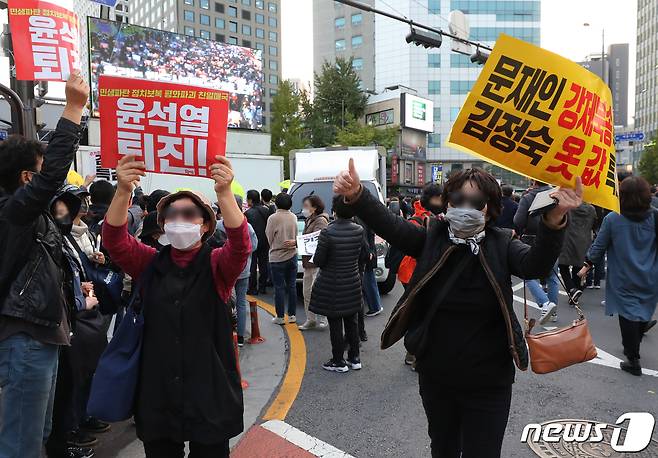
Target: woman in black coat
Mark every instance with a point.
(457, 311)
(336, 292)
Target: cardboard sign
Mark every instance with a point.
(45, 39)
(536, 113)
(307, 243)
(173, 128)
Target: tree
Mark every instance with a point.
(648, 165)
(315, 128)
(356, 134)
(287, 123)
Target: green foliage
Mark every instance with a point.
(287, 122)
(355, 134)
(648, 165)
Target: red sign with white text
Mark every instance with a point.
(45, 39)
(174, 128)
(421, 174)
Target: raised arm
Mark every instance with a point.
(29, 201)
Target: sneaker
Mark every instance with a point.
(574, 296)
(554, 317)
(308, 324)
(80, 438)
(649, 325)
(363, 336)
(371, 314)
(322, 324)
(590, 286)
(547, 312)
(332, 366)
(632, 366)
(79, 452)
(354, 364)
(409, 359)
(277, 320)
(94, 425)
(597, 286)
(240, 341)
(292, 319)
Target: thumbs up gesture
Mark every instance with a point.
(347, 182)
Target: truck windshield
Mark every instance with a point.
(320, 188)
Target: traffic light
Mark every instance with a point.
(425, 39)
(479, 57)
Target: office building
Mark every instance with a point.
(250, 23)
(646, 76)
(344, 31)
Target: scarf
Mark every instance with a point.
(472, 242)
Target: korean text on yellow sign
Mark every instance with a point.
(536, 113)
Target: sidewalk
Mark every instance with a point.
(263, 366)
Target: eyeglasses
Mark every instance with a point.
(459, 199)
(186, 213)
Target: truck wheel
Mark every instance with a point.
(387, 285)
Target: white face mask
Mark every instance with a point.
(306, 212)
(183, 236)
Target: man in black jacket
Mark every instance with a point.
(257, 215)
(33, 316)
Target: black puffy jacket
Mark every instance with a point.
(31, 275)
(340, 253)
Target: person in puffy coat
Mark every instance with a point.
(577, 240)
(336, 292)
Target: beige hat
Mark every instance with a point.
(199, 199)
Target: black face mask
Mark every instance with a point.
(64, 223)
(435, 209)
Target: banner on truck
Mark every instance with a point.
(175, 129)
(536, 113)
(45, 38)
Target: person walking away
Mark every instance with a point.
(34, 321)
(527, 226)
(506, 218)
(629, 241)
(257, 215)
(266, 199)
(242, 283)
(369, 283)
(188, 332)
(473, 337)
(577, 241)
(337, 288)
(597, 272)
(316, 220)
(281, 234)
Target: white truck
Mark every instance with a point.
(312, 172)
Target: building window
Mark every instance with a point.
(460, 61)
(220, 37)
(339, 22)
(189, 2)
(260, 4)
(205, 4)
(434, 87)
(272, 21)
(434, 6)
(260, 18)
(437, 114)
(260, 46)
(274, 79)
(340, 45)
(274, 65)
(188, 15)
(204, 34)
(460, 87)
(272, 7)
(454, 112)
(434, 140)
(357, 19)
(273, 36)
(273, 92)
(233, 26)
(189, 31)
(232, 11)
(219, 23)
(434, 60)
(246, 29)
(219, 8)
(232, 40)
(357, 41)
(246, 15)
(260, 33)
(246, 43)
(246, 2)
(357, 64)
(274, 51)
(204, 19)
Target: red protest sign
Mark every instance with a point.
(174, 128)
(45, 40)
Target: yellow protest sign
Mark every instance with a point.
(539, 114)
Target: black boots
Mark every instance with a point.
(632, 366)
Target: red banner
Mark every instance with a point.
(395, 172)
(421, 174)
(174, 128)
(45, 39)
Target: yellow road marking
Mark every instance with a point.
(292, 381)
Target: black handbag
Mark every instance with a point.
(415, 340)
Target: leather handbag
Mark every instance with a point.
(553, 350)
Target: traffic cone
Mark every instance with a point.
(243, 382)
(255, 331)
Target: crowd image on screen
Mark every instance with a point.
(130, 51)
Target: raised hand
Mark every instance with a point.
(129, 172)
(568, 199)
(77, 94)
(347, 182)
(222, 172)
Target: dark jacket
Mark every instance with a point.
(371, 246)
(257, 217)
(313, 223)
(337, 288)
(506, 218)
(578, 236)
(31, 259)
(501, 257)
(524, 223)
